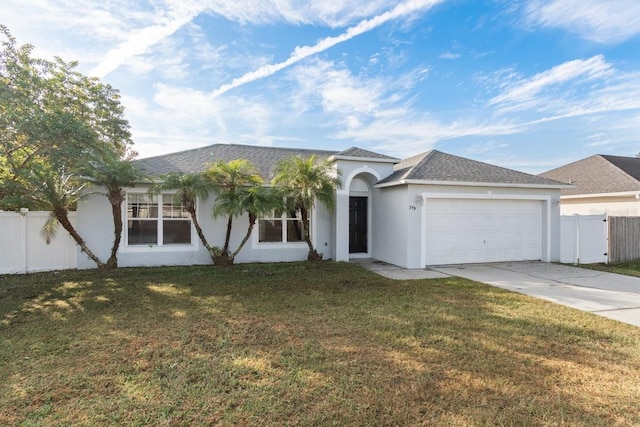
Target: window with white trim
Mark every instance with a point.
(281, 227)
(157, 219)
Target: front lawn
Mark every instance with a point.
(303, 344)
(631, 268)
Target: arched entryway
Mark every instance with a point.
(355, 214)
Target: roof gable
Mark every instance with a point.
(599, 174)
(359, 153)
(435, 166)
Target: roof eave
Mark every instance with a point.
(474, 184)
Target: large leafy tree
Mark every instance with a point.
(229, 180)
(190, 187)
(114, 174)
(52, 121)
(302, 181)
(47, 109)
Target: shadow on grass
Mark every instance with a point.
(303, 343)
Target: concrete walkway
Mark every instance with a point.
(610, 295)
(394, 272)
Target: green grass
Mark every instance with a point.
(631, 268)
(303, 344)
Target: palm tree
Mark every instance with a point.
(302, 182)
(114, 174)
(189, 188)
(49, 187)
(228, 180)
(255, 201)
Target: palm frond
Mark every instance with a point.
(49, 229)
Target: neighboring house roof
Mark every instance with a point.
(434, 166)
(599, 174)
(199, 159)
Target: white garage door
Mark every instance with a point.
(460, 231)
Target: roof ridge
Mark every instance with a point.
(425, 156)
(181, 151)
(618, 168)
(571, 163)
(206, 147)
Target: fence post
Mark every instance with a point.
(607, 230)
(24, 222)
(576, 243)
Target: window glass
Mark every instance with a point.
(142, 232)
(172, 207)
(270, 230)
(176, 232)
(144, 227)
(294, 231)
(142, 205)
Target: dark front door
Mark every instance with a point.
(357, 224)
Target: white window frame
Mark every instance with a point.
(159, 246)
(257, 244)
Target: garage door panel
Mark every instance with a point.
(470, 231)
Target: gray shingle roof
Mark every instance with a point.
(364, 154)
(199, 159)
(430, 166)
(436, 166)
(599, 174)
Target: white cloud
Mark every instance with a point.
(402, 10)
(378, 112)
(604, 21)
(336, 90)
(331, 13)
(180, 118)
(485, 147)
(449, 55)
(405, 133)
(139, 41)
(521, 94)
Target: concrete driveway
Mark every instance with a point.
(610, 295)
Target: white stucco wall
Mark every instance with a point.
(95, 225)
(391, 242)
(614, 206)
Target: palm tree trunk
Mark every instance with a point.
(313, 255)
(252, 223)
(116, 211)
(227, 238)
(196, 224)
(305, 228)
(63, 219)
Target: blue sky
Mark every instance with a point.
(525, 84)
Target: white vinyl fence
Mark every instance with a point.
(583, 239)
(23, 250)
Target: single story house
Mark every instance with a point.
(429, 209)
(600, 184)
